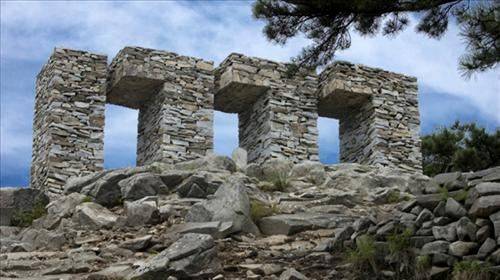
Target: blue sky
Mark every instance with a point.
(210, 30)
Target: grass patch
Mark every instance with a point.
(461, 195)
(363, 257)
(279, 181)
(400, 252)
(26, 218)
(87, 199)
(471, 270)
(259, 210)
(443, 193)
(423, 267)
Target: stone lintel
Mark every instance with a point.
(137, 74)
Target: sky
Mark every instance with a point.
(210, 30)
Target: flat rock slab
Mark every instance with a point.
(293, 223)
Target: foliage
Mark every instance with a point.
(87, 199)
(462, 147)
(328, 25)
(400, 252)
(26, 218)
(423, 267)
(259, 210)
(280, 181)
(363, 257)
(471, 270)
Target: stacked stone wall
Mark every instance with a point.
(175, 102)
(282, 120)
(382, 129)
(68, 127)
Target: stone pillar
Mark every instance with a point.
(68, 126)
(378, 115)
(277, 113)
(174, 95)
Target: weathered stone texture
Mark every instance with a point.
(69, 119)
(277, 113)
(378, 114)
(174, 95)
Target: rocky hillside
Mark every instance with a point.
(218, 218)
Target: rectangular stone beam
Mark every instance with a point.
(174, 95)
(277, 113)
(378, 115)
(68, 125)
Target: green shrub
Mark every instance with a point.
(87, 199)
(423, 267)
(363, 257)
(461, 195)
(26, 218)
(279, 181)
(259, 210)
(400, 252)
(443, 193)
(471, 270)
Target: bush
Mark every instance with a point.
(461, 147)
(26, 218)
(471, 270)
(259, 210)
(423, 268)
(400, 252)
(363, 257)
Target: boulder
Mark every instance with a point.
(105, 190)
(495, 219)
(482, 189)
(15, 201)
(93, 216)
(172, 178)
(187, 257)
(483, 233)
(454, 209)
(142, 212)
(487, 248)
(292, 274)
(65, 205)
(448, 232)
(424, 216)
(142, 185)
(270, 169)
(461, 248)
(451, 181)
(240, 158)
(429, 201)
(289, 224)
(199, 185)
(210, 162)
(466, 229)
(137, 244)
(435, 247)
(216, 229)
(485, 206)
(230, 203)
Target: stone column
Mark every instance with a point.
(277, 112)
(378, 115)
(68, 126)
(174, 95)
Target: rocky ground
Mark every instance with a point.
(218, 218)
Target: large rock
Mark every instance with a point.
(487, 248)
(142, 212)
(461, 248)
(454, 209)
(485, 206)
(270, 169)
(495, 219)
(448, 232)
(105, 190)
(451, 181)
(292, 274)
(435, 247)
(289, 224)
(210, 162)
(15, 201)
(230, 203)
(240, 158)
(199, 185)
(65, 205)
(191, 255)
(466, 229)
(142, 185)
(482, 189)
(93, 216)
